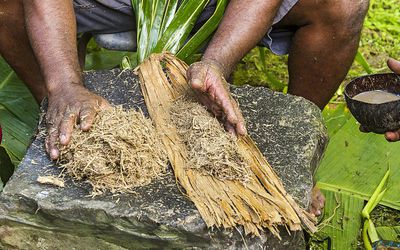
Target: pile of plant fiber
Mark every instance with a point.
(121, 151)
(212, 151)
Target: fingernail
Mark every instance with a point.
(389, 137)
(63, 138)
(54, 154)
(197, 83)
(85, 126)
(242, 129)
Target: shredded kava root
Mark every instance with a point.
(259, 204)
(211, 150)
(121, 151)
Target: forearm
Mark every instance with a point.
(244, 24)
(51, 28)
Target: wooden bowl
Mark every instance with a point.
(378, 118)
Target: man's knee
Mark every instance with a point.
(11, 11)
(346, 15)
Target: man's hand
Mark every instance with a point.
(68, 107)
(207, 80)
(395, 67)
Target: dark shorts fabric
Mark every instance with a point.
(112, 16)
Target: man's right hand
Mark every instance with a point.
(69, 106)
(206, 78)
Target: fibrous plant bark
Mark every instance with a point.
(260, 203)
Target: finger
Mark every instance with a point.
(394, 65)
(52, 138)
(231, 130)
(67, 126)
(104, 104)
(315, 211)
(392, 136)
(229, 107)
(86, 117)
(241, 125)
(197, 76)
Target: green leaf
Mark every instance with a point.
(389, 233)
(180, 27)
(376, 197)
(355, 162)
(273, 81)
(367, 243)
(341, 221)
(363, 62)
(151, 13)
(18, 114)
(203, 35)
(169, 14)
(335, 117)
(162, 26)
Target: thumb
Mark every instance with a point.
(197, 76)
(394, 65)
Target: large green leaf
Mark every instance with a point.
(336, 116)
(355, 162)
(18, 113)
(341, 221)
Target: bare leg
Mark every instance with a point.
(15, 47)
(322, 51)
(324, 46)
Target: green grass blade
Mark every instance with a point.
(363, 62)
(203, 35)
(271, 78)
(376, 197)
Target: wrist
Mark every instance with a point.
(61, 85)
(224, 68)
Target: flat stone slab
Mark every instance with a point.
(288, 130)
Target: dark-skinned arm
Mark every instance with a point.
(244, 24)
(51, 28)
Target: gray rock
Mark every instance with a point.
(287, 129)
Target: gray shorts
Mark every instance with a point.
(112, 16)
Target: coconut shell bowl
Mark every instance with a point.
(378, 118)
